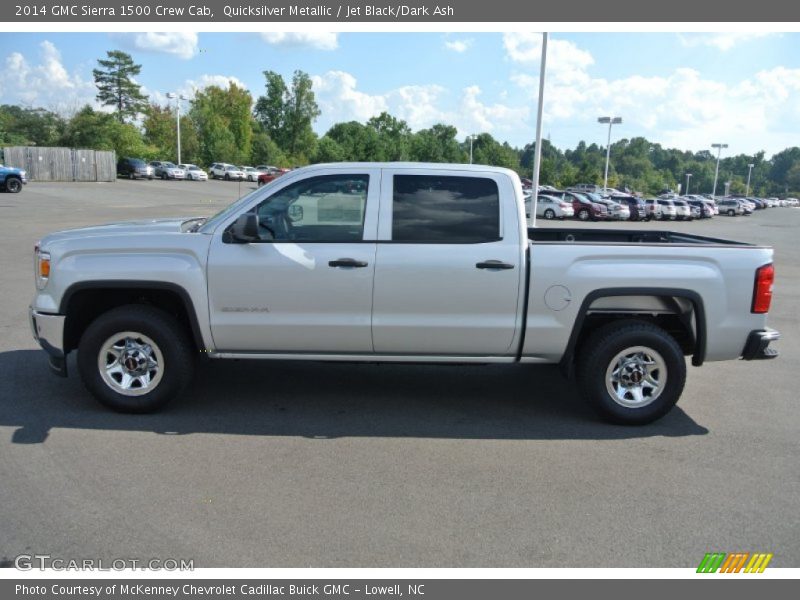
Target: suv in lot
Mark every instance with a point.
(12, 179)
(660, 209)
(731, 207)
(584, 207)
(226, 171)
(134, 168)
(638, 210)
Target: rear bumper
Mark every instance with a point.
(757, 346)
(48, 330)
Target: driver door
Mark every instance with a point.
(306, 285)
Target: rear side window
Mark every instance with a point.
(445, 209)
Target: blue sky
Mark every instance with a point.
(682, 90)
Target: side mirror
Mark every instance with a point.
(245, 229)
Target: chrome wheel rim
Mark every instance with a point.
(636, 377)
(130, 363)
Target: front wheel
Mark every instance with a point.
(13, 185)
(135, 358)
(631, 372)
(583, 214)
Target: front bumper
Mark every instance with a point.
(757, 346)
(48, 330)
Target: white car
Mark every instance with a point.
(194, 172)
(683, 212)
(226, 171)
(550, 207)
(251, 173)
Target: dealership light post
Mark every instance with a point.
(611, 121)
(177, 98)
(749, 171)
(537, 151)
(472, 136)
(719, 148)
(688, 177)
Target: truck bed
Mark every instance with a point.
(623, 236)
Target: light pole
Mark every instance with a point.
(472, 136)
(688, 176)
(719, 148)
(177, 98)
(611, 121)
(537, 151)
(749, 171)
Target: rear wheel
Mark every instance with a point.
(549, 214)
(631, 372)
(135, 358)
(731, 213)
(13, 185)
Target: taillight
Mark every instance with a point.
(762, 289)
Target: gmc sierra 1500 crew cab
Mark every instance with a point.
(397, 262)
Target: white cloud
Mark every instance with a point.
(565, 60)
(683, 108)
(180, 44)
(45, 84)
(720, 41)
(459, 46)
(191, 86)
(421, 106)
(319, 40)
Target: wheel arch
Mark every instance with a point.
(84, 301)
(693, 323)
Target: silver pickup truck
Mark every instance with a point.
(397, 262)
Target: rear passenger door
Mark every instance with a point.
(449, 264)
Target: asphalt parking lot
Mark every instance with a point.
(330, 465)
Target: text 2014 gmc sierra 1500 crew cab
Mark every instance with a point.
(397, 262)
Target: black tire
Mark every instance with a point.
(164, 176)
(549, 214)
(171, 341)
(227, 177)
(583, 215)
(13, 185)
(605, 346)
(731, 213)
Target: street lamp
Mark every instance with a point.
(611, 121)
(749, 171)
(719, 148)
(177, 98)
(688, 176)
(471, 136)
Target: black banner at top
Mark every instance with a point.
(385, 11)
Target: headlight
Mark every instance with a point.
(42, 267)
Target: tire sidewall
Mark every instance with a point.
(604, 345)
(158, 326)
(13, 185)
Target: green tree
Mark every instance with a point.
(29, 126)
(355, 142)
(116, 85)
(394, 137)
(102, 131)
(266, 151)
(437, 144)
(328, 150)
(288, 113)
(223, 125)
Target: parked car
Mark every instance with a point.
(731, 207)
(167, 170)
(660, 209)
(585, 187)
(226, 171)
(551, 207)
(434, 278)
(616, 210)
(704, 211)
(683, 212)
(584, 207)
(250, 173)
(194, 173)
(134, 168)
(270, 175)
(12, 179)
(636, 206)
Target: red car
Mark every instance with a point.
(270, 174)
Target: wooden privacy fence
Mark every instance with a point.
(62, 164)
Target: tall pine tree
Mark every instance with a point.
(116, 87)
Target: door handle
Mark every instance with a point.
(347, 262)
(494, 264)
